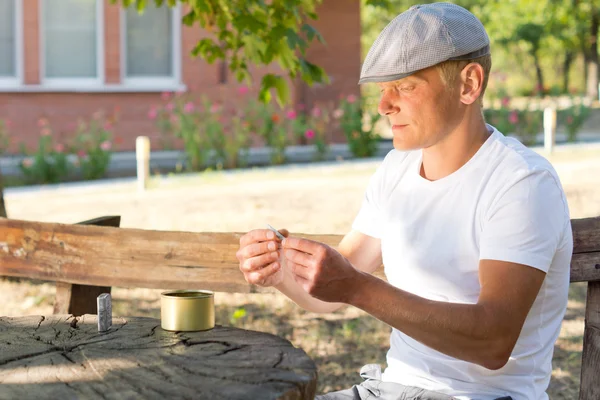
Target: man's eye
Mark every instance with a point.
(406, 88)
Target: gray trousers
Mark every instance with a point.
(374, 388)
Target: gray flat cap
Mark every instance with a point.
(423, 36)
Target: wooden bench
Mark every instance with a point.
(104, 256)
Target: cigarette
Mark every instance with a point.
(276, 232)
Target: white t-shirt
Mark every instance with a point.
(506, 203)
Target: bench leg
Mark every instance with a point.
(77, 299)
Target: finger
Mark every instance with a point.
(300, 270)
(299, 257)
(304, 284)
(284, 232)
(257, 249)
(304, 245)
(255, 236)
(259, 262)
(260, 277)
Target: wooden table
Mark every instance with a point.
(64, 357)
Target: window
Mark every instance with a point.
(10, 25)
(151, 46)
(71, 42)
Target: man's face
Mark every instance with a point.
(421, 109)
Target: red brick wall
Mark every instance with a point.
(112, 43)
(31, 42)
(339, 22)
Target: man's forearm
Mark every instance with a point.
(463, 331)
(291, 289)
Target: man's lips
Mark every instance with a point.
(398, 126)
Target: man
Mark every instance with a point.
(472, 227)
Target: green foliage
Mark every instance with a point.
(237, 316)
(525, 122)
(362, 139)
(48, 163)
(573, 117)
(4, 136)
(248, 32)
(93, 146)
(88, 153)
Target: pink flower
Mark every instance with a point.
(243, 90)
(46, 132)
(316, 112)
(165, 96)
(215, 108)
(7, 123)
(188, 108)
(107, 126)
(301, 107)
(309, 134)
(505, 101)
(28, 162)
(42, 122)
(170, 107)
(339, 113)
(570, 119)
(59, 148)
(153, 113)
(106, 145)
(81, 154)
(513, 118)
(351, 99)
(291, 114)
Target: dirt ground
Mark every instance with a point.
(310, 199)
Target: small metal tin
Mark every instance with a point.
(187, 310)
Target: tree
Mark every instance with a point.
(591, 54)
(533, 34)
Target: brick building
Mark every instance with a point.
(66, 59)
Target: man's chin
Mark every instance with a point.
(403, 145)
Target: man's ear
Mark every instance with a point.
(471, 78)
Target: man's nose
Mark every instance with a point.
(387, 106)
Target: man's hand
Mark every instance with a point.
(259, 255)
(320, 270)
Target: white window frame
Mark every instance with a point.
(74, 83)
(161, 81)
(17, 79)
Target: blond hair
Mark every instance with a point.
(450, 71)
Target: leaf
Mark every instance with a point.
(140, 5)
(268, 82)
(189, 18)
(311, 32)
(283, 91)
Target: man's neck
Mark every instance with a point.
(454, 151)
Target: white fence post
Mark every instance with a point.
(549, 129)
(142, 151)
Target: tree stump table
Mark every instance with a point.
(65, 357)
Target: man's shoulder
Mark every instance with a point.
(513, 161)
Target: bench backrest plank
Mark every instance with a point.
(104, 256)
